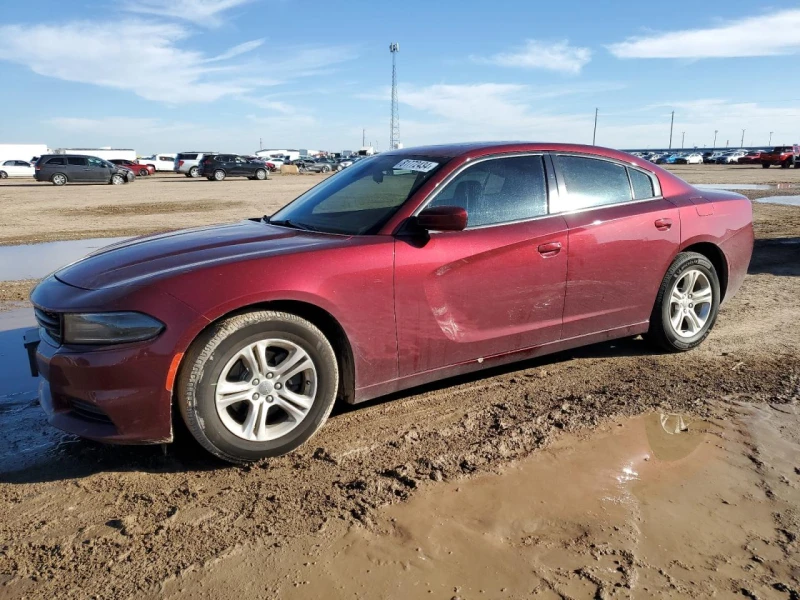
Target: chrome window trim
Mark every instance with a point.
(470, 163)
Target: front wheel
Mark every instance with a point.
(143, 172)
(257, 385)
(3, 175)
(687, 304)
(117, 179)
(765, 165)
(261, 174)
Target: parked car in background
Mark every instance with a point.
(366, 285)
(274, 164)
(216, 167)
(321, 165)
(16, 168)
(343, 163)
(783, 156)
(694, 158)
(731, 157)
(160, 162)
(141, 170)
(751, 158)
(712, 157)
(187, 162)
(60, 169)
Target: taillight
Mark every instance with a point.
(180, 163)
(38, 167)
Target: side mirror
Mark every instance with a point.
(443, 218)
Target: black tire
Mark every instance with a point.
(261, 174)
(326, 169)
(211, 352)
(59, 179)
(143, 172)
(219, 175)
(765, 165)
(186, 175)
(661, 332)
(210, 178)
(3, 175)
(193, 172)
(117, 179)
(786, 164)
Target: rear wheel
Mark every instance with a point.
(687, 304)
(193, 172)
(765, 165)
(59, 179)
(257, 385)
(219, 175)
(3, 175)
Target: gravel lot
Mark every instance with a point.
(504, 484)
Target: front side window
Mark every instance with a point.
(591, 182)
(99, 163)
(499, 190)
(360, 199)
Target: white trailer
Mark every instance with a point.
(22, 151)
(288, 154)
(104, 153)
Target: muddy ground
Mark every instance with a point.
(536, 480)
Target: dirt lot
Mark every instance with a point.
(605, 472)
(38, 212)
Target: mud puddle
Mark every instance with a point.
(655, 506)
(787, 200)
(733, 186)
(34, 261)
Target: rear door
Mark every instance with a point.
(497, 286)
(622, 237)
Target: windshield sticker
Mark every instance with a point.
(423, 166)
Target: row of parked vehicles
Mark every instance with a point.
(61, 169)
(780, 156)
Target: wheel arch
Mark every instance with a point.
(717, 257)
(321, 318)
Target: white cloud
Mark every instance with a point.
(100, 53)
(200, 12)
(767, 35)
(237, 50)
(537, 54)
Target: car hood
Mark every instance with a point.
(141, 260)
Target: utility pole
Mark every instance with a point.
(394, 136)
(743, 130)
(260, 144)
(683, 138)
(594, 135)
(363, 137)
(671, 123)
(770, 138)
(714, 147)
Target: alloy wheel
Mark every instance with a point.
(690, 303)
(266, 390)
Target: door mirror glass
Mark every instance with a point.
(443, 218)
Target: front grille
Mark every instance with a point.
(88, 412)
(50, 322)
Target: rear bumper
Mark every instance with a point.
(738, 249)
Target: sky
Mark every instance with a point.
(229, 75)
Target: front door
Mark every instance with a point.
(98, 170)
(497, 286)
(622, 238)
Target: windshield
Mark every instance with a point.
(361, 198)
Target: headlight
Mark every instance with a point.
(110, 328)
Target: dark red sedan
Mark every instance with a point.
(140, 170)
(408, 267)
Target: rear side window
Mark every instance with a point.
(591, 182)
(187, 156)
(76, 160)
(499, 190)
(642, 185)
(55, 161)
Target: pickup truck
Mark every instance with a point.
(785, 156)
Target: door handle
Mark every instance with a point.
(663, 224)
(549, 249)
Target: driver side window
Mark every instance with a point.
(499, 190)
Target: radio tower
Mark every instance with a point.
(394, 136)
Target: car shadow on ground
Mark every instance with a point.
(776, 256)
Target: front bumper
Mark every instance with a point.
(119, 394)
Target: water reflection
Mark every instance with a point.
(34, 261)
